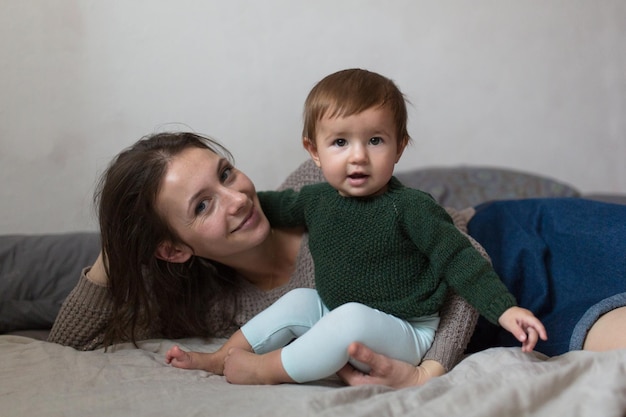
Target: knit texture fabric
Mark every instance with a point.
(398, 252)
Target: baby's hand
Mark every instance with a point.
(524, 326)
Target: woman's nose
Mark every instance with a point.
(236, 200)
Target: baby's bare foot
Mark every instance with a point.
(179, 358)
(210, 362)
(243, 367)
(240, 367)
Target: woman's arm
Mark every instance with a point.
(84, 315)
(86, 312)
(457, 321)
(457, 317)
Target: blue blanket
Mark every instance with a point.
(563, 258)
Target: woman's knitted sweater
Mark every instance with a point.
(398, 252)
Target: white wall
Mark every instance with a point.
(538, 85)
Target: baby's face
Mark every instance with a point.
(357, 153)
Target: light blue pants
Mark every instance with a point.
(323, 336)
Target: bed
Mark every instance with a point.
(45, 379)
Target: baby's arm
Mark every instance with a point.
(524, 326)
(283, 208)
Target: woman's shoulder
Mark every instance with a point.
(306, 173)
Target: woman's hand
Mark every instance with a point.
(386, 371)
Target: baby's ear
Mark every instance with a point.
(401, 147)
(169, 252)
(310, 147)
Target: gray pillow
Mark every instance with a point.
(37, 272)
(468, 186)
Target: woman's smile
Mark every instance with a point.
(249, 221)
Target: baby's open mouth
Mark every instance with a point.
(357, 176)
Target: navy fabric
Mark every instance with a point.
(558, 256)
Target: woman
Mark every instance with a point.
(187, 251)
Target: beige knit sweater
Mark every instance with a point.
(86, 311)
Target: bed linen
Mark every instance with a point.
(60, 381)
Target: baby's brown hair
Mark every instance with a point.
(351, 91)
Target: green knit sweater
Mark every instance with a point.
(398, 252)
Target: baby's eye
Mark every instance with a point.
(376, 140)
(340, 142)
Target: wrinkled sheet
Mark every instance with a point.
(43, 379)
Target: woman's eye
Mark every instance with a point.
(202, 207)
(225, 174)
(376, 140)
(340, 142)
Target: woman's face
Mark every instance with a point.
(212, 206)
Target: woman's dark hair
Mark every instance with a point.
(150, 294)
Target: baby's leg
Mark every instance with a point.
(288, 318)
(211, 362)
(242, 367)
(322, 351)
